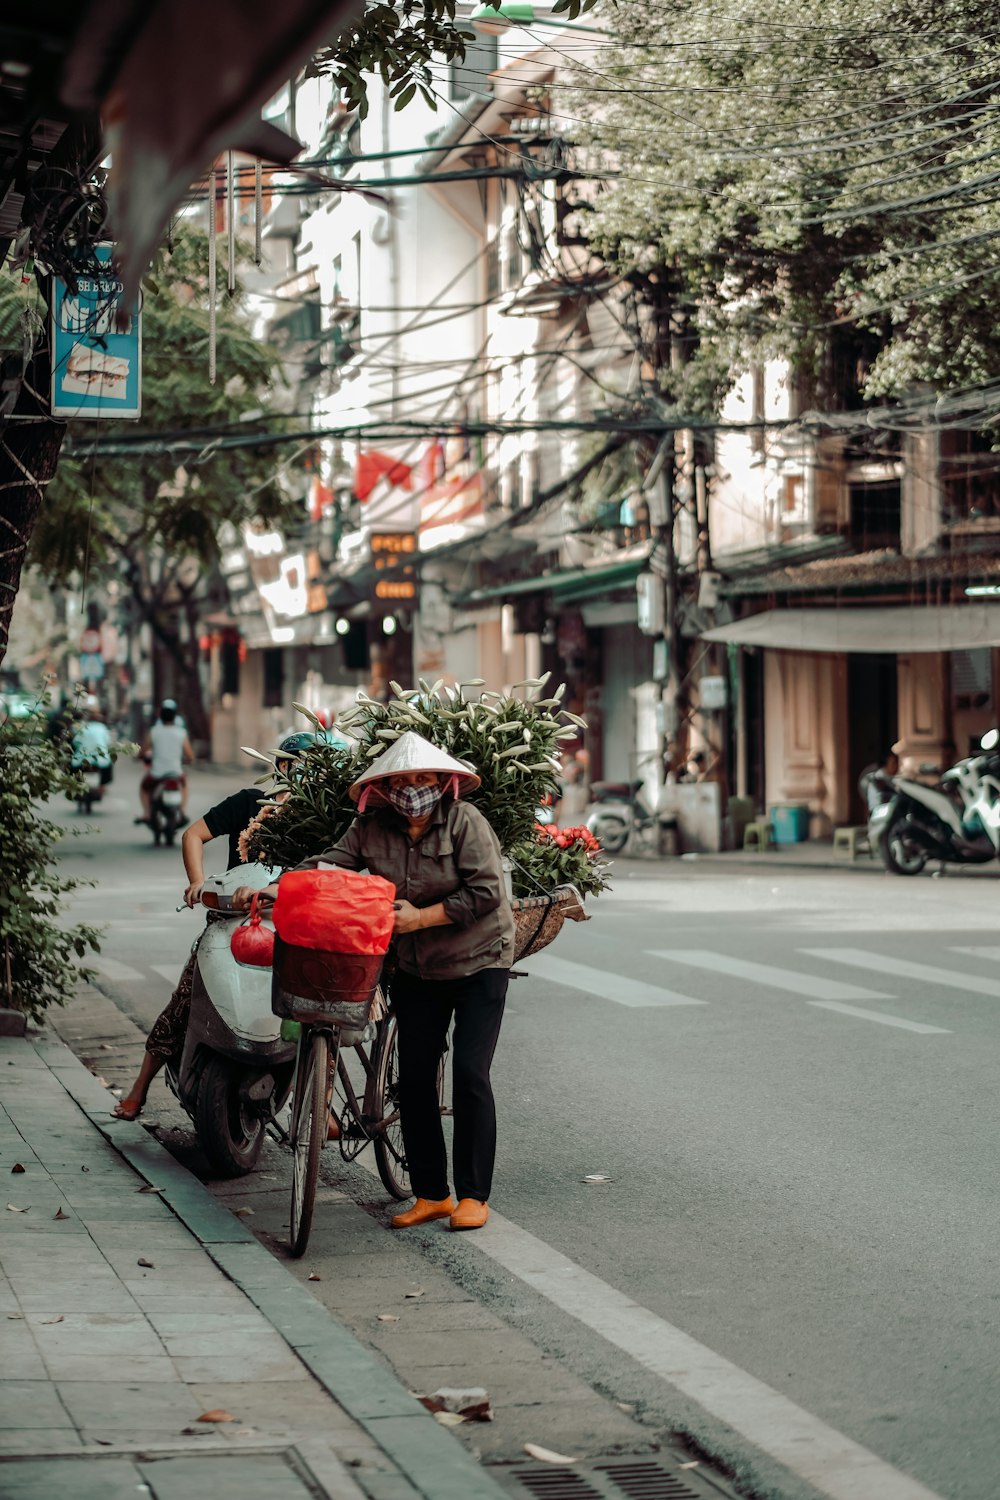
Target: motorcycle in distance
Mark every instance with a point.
(617, 811)
(165, 809)
(235, 1073)
(92, 778)
(956, 822)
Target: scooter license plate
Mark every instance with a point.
(878, 813)
(92, 780)
(170, 799)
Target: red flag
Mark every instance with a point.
(371, 467)
(320, 496)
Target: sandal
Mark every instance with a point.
(126, 1109)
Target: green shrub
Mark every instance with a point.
(40, 961)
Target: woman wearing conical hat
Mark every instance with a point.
(454, 944)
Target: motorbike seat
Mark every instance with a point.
(615, 791)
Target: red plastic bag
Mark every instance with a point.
(338, 911)
(253, 943)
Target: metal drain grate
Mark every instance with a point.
(647, 1481)
(556, 1484)
(613, 1479)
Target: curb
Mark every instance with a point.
(436, 1466)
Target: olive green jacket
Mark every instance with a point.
(456, 861)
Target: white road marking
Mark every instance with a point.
(875, 1015)
(992, 955)
(170, 972)
(112, 969)
(808, 986)
(633, 993)
(860, 958)
(807, 1446)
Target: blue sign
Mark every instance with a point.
(96, 370)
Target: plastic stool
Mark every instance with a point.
(758, 835)
(854, 840)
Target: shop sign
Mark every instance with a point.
(393, 556)
(96, 369)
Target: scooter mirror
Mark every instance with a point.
(990, 739)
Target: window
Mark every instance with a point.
(472, 75)
(274, 677)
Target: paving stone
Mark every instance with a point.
(96, 1334)
(87, 1479)
(260, 1476)
(109, 1367)
(196, 1369)
(430, 1449)
(155, 1405)
(28, 1404)
(251, 1345)
(52, 1440)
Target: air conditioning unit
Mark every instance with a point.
(651, 603)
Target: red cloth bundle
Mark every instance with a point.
(337, 911)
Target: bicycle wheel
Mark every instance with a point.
(307, 1135)
(390, 1155)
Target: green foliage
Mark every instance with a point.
(40, 960)
(512, 742)
(803, 181)
(400, 40)
(559, 856)
(103, 509)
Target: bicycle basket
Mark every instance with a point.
(538, 920)
(326, 989)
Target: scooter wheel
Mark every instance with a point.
(230, 1131)
(899, 856)
(611, 833)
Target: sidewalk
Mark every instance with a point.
(814, 855)
(133, 1304)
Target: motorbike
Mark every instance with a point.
(956, 822)
(165, 809)
(235, 1073)
(92, 778)
(617, 810)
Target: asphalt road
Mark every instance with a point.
(788, 1079)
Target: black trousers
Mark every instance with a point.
(424, 1008)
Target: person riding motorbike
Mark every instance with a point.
(228, 818)
(92, 740)
(168, 750)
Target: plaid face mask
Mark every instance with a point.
(414, 801)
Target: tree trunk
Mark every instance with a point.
(29, 453)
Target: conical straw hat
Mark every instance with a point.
(411, 752)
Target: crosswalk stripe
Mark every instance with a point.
(633, 993)
(875, 1015)
(903, 968)
(991, 954)
(112, 969)
(807, 986)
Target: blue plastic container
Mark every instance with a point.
(790, 824)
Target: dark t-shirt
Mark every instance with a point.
(232, 816)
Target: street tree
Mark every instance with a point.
(816, 182)
(145, 520)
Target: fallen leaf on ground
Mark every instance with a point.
(15, 1317)
(693, 1465)
(626, 1406)
(449, 1418)
(314, 1276)
(84, 1169)
(418, 1293)
(17, 1167)
(105, 1442)
(12, 1208)
(387, 1318)
(469, 1405)
(59, 1214)
(597, 1177)
(546, 1455)
(142, 1261)
(244, 1210)
(149, 1188)
(102, 1081)
(106, 1047)
(58, 1319)
(216, 1416)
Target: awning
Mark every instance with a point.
(894, 628)
(568, 585)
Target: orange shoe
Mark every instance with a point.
(424, 1211)
(470, 1214)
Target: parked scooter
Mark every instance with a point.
(235, 1073)
(617, 811)
(956, 822)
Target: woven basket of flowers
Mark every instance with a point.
(538, 920)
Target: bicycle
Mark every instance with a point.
(320, 1066)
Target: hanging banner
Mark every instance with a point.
(96, 370)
